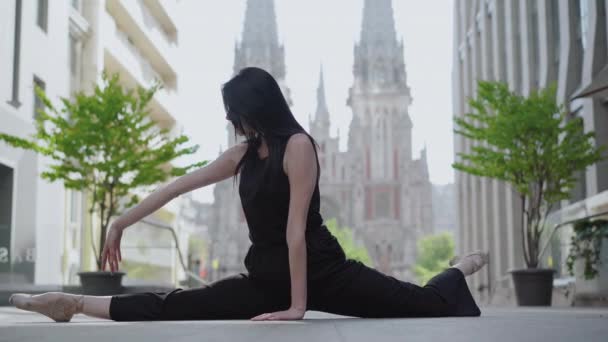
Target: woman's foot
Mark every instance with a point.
(471, 262)
(59, 306)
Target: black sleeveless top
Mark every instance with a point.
(266, 211)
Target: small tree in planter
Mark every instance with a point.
(101, 143)
(529, 143)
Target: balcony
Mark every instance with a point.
(165, 13)
(121, 55)
(149, 36)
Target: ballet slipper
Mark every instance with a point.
(55, 305)
(471, 262)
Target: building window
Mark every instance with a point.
(43, 14)
(73, 56)
(74, 205)
(37, 101)
(579, 191)
(555, 30)
(584, 26)
(490, 7)
(535, 42)
(382, 204)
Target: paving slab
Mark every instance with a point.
(495, 325)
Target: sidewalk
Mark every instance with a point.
(495, 325)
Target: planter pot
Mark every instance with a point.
(597, 286)
(533, 286)
(101, 283)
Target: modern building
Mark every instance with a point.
(529, 45)
(375, 187)
(139, 41)
(64, 46)
(34, 52)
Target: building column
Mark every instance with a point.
(594, 60)
(570, 50)
(513, 79)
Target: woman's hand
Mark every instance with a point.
(111, 249)
(289, 314)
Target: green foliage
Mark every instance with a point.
(586, 243)
(346, 240)
(104, 143)
(434, 253)
(530, 143)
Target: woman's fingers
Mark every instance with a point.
(113, 260)
(104, 258)
(260, 317)
(110, 261)
(109, 257)
(116, 260)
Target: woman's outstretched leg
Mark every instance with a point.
(361, 291)
(236, 297)
(61, 307)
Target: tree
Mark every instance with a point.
(434, 253)
(530, 143)
(346, 240)
(101, 143)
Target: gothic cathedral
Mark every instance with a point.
(374, 187)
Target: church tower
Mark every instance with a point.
(259, 46)
(390, 188)
(319, 128)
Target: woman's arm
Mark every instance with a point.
(301, 167)
(220, 169)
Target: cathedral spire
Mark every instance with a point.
(260, 23)
(320, 126)
(379, 59)
(259, 45)
(322, 113)
(378, 22)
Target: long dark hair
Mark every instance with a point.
(254, 97)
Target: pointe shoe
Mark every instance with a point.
(55, 305)
(457, 258)
(471, 262)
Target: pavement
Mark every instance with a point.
(495, 325)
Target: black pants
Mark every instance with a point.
(352, 290)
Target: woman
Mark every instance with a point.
(294, 263)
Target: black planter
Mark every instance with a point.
(533, 286)
(101, 283)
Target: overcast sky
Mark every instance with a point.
(315, 32)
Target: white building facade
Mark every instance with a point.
(529, 45)
(64, 46)
(31, 209)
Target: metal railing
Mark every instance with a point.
(160, 225)
(559, 225)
